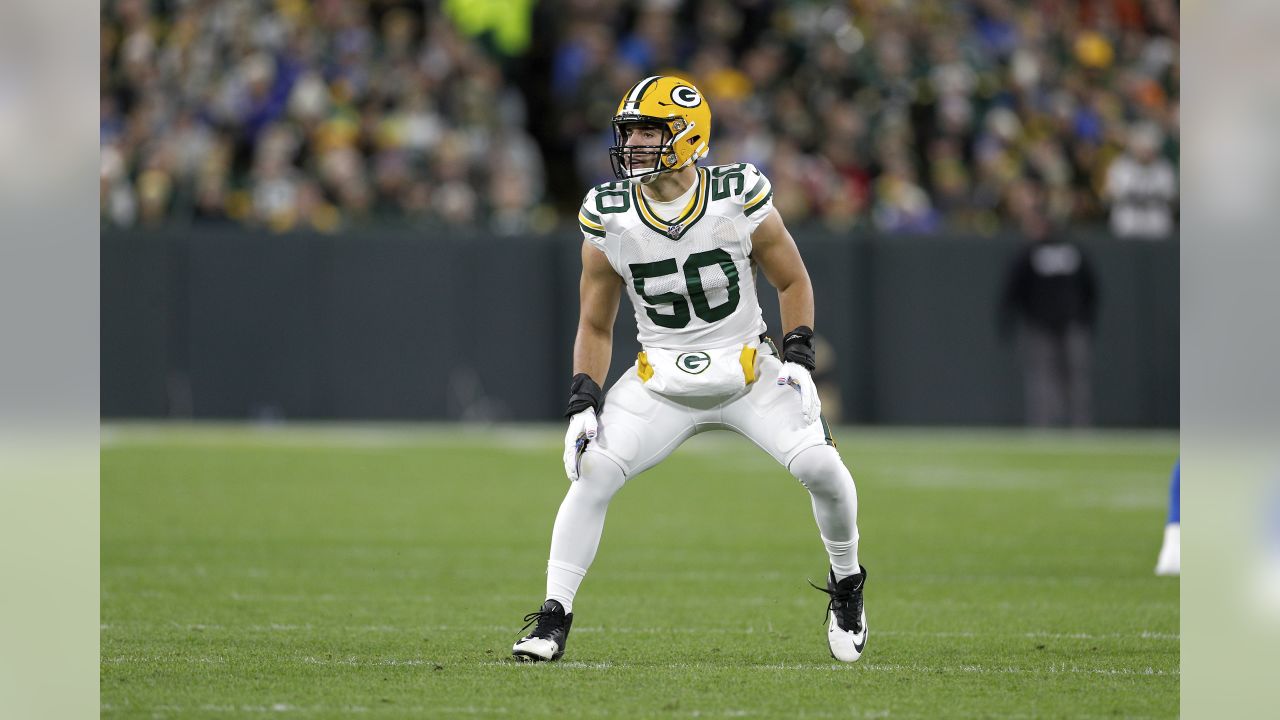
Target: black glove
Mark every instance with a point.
(797, 347)
(583, 393)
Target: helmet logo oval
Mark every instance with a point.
(685, 96)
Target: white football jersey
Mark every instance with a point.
(691, 280)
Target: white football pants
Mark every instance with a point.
(639, 428)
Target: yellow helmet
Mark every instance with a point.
(674, 105)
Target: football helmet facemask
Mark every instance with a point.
(678, 109)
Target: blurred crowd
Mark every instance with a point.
(291, 113)
(893, 115)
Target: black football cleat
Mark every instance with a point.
(846, 617)
(547, 641)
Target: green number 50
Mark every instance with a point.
(702, 307)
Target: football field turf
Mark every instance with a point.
(383, 571)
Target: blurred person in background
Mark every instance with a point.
(1169, 562)
(1142, 188)
(827, 380)
(1050, 296)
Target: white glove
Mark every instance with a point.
(799, 378)
(582, 431)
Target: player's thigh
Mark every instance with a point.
(639, 428)
(770, 416)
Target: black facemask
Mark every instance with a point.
(623, 156)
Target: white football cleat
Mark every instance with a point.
(846, 616)
(546, 642)
(1169, 563)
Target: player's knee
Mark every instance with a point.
(821, 471)
(599, 476)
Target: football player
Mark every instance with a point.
(683, 241)
(1169, 561)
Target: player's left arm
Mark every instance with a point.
(775, 251)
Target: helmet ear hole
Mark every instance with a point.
(695, 140)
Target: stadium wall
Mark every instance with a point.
(420, 324)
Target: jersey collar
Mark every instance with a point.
(692, 213)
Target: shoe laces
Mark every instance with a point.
(548, 621)
(846, 603)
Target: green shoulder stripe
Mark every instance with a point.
(763, 201)
(590, 230)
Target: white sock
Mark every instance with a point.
(563, 580)
(844, 557)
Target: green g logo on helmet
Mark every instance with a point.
(685, 96)
(693, 363)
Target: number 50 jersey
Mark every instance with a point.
(691, 280)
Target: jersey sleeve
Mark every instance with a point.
(590, 222)
(758, 197)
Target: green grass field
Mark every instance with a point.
(382, 571)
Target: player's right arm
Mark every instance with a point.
(599, 292)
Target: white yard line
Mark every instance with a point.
(132, 628)
(166, 710)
